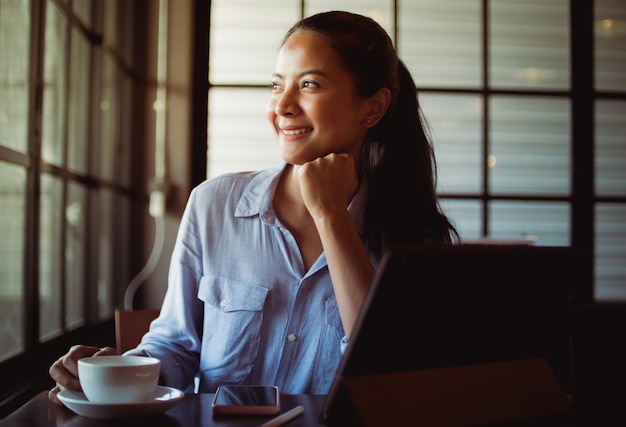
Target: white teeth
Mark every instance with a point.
(297, 131)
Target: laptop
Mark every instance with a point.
(456, 335)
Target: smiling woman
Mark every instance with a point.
(271, 267)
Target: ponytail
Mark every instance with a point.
(402, 204)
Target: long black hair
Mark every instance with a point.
(398, 159)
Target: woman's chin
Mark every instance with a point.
(295, 158)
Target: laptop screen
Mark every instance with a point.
(442, 306)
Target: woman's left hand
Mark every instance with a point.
(328, 184)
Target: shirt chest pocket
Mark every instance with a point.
(228, 295)
(233, 316)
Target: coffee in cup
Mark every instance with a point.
(118, 379)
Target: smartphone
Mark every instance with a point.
(246, 399)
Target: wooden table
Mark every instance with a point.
(194, 410)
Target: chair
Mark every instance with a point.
(130, 327)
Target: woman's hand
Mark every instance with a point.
(65, 370)
(328, 184)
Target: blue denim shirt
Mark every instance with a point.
(240, 307)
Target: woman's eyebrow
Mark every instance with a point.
(303, 73)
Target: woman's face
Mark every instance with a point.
(314, 109)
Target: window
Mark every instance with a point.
(498, 87)
(65, 172)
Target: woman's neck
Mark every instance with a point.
(288, 190)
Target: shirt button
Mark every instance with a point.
(291, 337)
(223, 303)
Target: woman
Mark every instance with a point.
(270, 268)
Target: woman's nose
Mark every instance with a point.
(287, 103)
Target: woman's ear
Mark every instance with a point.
(378, 104)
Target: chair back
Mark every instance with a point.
(130, 327)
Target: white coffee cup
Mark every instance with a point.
(118, 379)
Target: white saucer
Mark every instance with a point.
(164, 398)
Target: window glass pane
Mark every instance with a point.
(55, 84)
(466, 215)
(128, 19)
(547, 222)
(441, 41)
(125, 141)
(111, 17)
(610, 44)
(75, 254)
(455, 127)
(610, 251)
(50, 256)
(82, 9)
(12, 230)
(529, 44)
(240, 138)
(245, 36)
(380, 11)
(78, 105)
(121, 255)
(14, 73)
(108, 120)
(610, 154)
(118, 27)
(106, 213)
(530, 146)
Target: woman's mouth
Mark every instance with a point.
(298, 131)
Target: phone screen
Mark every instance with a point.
(246, 396)
(246, 399)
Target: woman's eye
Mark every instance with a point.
(309, 84)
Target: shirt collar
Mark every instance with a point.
(257, 198)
